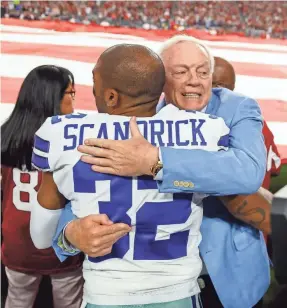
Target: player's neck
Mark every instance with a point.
(138, 109)
(137, 113)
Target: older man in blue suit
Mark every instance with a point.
(234, 253)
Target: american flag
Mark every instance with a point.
(261, 68)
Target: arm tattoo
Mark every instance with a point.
(256, 215)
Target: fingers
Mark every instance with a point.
(104, 246)
(94, 151)
(110, 239)
(102, 162)
(107, 170)
(102, 219)
(102, 252)
(101, 143)
(103, 231)
(135, 132)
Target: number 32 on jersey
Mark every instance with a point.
(148, 217)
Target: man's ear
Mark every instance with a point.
(111, 97)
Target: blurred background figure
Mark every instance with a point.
(46, 91)
(250, 18)
(224, 77)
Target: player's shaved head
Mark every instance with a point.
(133, 71)
(223, 75)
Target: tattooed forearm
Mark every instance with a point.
(255, 215)
(253, 210)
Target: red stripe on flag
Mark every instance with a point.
(239, 48)
(159, 34)
(91, 54)
(84, 54)
(137, 40)
(95, 35)
(11, 87)
(260, 70)
(272, 110)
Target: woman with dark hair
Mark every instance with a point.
(47, 90)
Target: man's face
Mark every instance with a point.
(188, 76)
(67, 103)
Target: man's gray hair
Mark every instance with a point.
(185, 38)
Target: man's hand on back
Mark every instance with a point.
(132, 157)
(95, 234)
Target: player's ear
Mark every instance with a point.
(111, 97)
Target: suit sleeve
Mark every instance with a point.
(240, 170)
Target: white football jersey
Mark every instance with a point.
(158, 261)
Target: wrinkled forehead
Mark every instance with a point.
(185, 53)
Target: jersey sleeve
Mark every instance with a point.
(46, 142)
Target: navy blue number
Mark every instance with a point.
(57, 119)
(148, 218)
(121, 200)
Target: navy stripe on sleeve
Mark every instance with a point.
(40, 162)
(41, 144)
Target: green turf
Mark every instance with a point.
(277, 182)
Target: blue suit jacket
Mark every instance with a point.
(240, 170)
(234, 253)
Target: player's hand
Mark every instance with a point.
(132, 157)
(95, 234)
